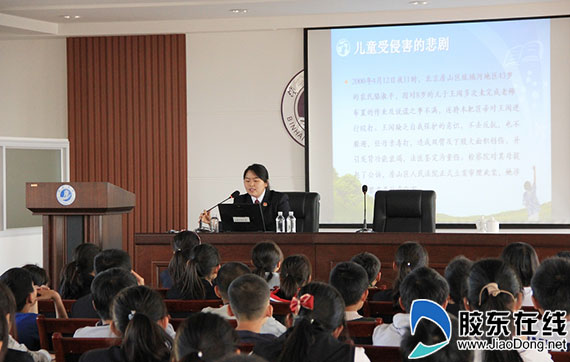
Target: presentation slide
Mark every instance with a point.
(463, 109)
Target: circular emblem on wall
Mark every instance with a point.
(65, 195)
(293, 108)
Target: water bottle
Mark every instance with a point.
(280, 222)
(291, 223)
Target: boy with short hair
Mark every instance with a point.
(249, 302)
(20, 282)
(351, 280)
(421, 283)
(371, 264)
(226, 275)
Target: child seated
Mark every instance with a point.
(182, 244)
(11, 349)
(422, 283)
(140, 318)
(204, 337)
(318, 322)
(371, 264)
(295, 273)
(351, 280)
(201, 269)
(249, 302)
(26, 295)
(456, 273)
(524, 261)
(227, 274)
(105, 287)
(267, 257)
(77, 275)
(551, 291)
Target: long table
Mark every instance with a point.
(152, 252)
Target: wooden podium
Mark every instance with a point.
(75, 213)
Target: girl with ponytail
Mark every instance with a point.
(295, 273)
(77, 276)
(140, 317)
(409, 256)
(267, 257)
(494, 286)
(199, 272)
(182, 244)
(318, 322)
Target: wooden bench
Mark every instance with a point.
(560, 356)
(378, 309)
(384, 354)
(66, 326)
(69, 349)
(46, 307)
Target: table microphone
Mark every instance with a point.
(365, 228)
(201, 228)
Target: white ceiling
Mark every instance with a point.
(40, 16)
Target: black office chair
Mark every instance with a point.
(305, 207)
(404, 211)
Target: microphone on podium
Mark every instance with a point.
(365, 228)
(201, 227)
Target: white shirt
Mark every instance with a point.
(39, 356)
(527, 297)
(274, 281)
(360, 355)
(260, 198)
(351, 315)
(390, 335)
(104, 331)
(271, 325)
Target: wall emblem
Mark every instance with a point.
(293, 108)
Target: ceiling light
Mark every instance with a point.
(238, 11)
(71, 16)
(418, 2)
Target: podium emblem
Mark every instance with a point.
(65, 195)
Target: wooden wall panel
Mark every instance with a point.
(127, 124)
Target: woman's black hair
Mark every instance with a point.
(182, 245)
(136, 311)
(482, 273)
(523, 259)
(205, 334)
(326, 316)
(75, 277)
(295, 272)
(39, 274)
(409, 256)
(260, 171)
(430, 334)
(456, 273)
(4, 333)
(265, 256)
(204, 259)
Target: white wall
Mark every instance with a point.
(235, 82)
(33, 103)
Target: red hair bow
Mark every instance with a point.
(306, 301)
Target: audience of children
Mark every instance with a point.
(196, 280)
(318, 322)
(204, 337)
(11, 349)
(19, 281)
(523, 259)
(551, 291)
(106, 259)
(267, 257)
(456, 273)
(249, 302)
(226, 275)
(421, 283)
(140, 318)
(182, 244)
(494, 286)
(76, 276)
(371, 264)
(409, 256)
(351, 280)
(295, 273)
